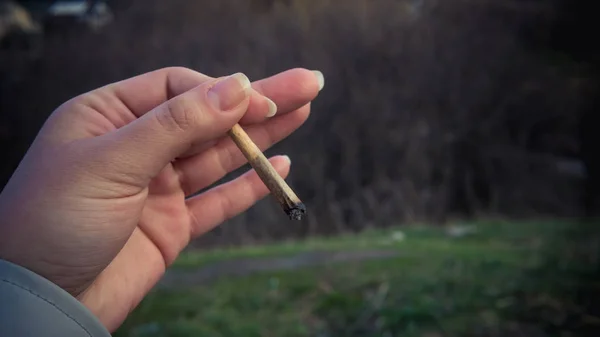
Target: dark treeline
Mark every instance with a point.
(577, 20)
(432, 110)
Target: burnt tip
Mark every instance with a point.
(297, 212)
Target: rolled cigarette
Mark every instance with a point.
(285, 196)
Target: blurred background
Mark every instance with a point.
(448, 167)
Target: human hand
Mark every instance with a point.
(100, 203)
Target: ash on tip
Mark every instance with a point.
(297, 212)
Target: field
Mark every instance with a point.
(491, 278)
(432, 110)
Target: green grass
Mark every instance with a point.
(508, 278)
(421, 237)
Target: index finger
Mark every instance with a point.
(289, 90)
(145, 92)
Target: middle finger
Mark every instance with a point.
(199, 171)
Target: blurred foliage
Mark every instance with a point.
(432, 110)
(519, 279)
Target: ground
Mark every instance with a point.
(503, 278)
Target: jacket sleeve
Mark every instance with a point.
(31, 305)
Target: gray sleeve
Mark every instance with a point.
(31, 305)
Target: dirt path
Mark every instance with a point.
(175, 278)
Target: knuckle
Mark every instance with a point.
(177, 69)
(180, 114)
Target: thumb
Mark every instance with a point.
(141, 149)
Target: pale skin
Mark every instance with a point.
(100, 204)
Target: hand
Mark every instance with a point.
(100, 203)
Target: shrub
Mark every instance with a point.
(432, 109)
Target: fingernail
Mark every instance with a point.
(287, 158)
(229, 92)
(320, 78)
(272, 107)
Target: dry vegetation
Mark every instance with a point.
(432, 109)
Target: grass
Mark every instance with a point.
(422, 237)
(532, 279)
